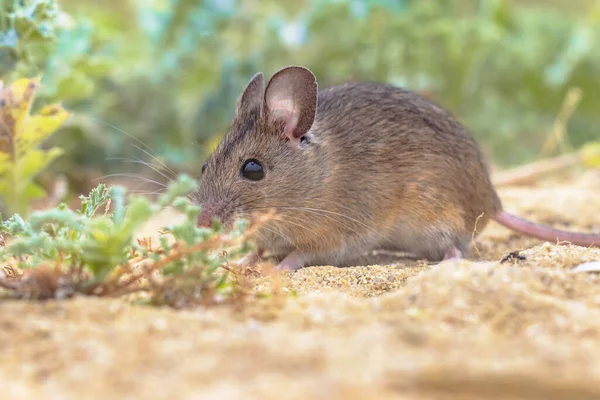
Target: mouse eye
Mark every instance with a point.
(204, 167)
(253, 170)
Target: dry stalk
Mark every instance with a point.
(112, 287)
(529, 173)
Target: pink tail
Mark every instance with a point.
(543, 232)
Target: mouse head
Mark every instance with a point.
(262, 162)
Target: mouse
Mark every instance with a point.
(351, 168)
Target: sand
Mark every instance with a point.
(456, 330)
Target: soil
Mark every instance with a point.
(455, 330)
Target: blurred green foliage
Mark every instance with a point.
(21, 135)
(27, 30)
(168, 72)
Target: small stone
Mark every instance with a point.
(159, 324)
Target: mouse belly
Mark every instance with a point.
(433, 245)
(434, 241)
(292, 255)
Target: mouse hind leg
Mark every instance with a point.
(447, 246)
(456, 252)
(443, 250)
(430, 244)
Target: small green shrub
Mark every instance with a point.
(92, 251)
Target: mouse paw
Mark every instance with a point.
(291, 262)
(453, 254)
(250, 260)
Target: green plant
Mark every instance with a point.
(21, 136)
(38, 37)
(27, 29)
(63, 252)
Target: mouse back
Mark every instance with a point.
(408, 156)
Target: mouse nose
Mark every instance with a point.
(203, 221)
(208, 212)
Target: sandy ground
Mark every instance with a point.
(471, 329)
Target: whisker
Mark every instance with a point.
(131, 175)
(155, 169)
(333, 218)
(138, 161)
(316, 211)
(322, 212)
(137, 187)
(121, 131)
(277, 233)
(170, 170)
(288, 221)
(145, 192)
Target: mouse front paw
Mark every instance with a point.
(250, 260)
(292, 262)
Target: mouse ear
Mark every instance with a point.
(291, 97)
(253, 94)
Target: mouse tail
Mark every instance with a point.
(544, 232)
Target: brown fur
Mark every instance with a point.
(383, 168)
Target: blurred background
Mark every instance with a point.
(153, 83)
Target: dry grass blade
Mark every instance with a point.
(529, 173)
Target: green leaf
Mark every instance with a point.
(35, 161)
(20, 135)
(97, 198)
(37, 128)
(33, 192)
(590, 153)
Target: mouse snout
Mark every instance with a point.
(208, 212)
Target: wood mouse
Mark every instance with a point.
(353, 168)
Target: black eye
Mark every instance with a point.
(303, 140)
(253, 170)
(204, 167)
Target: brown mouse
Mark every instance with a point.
(350, 169)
